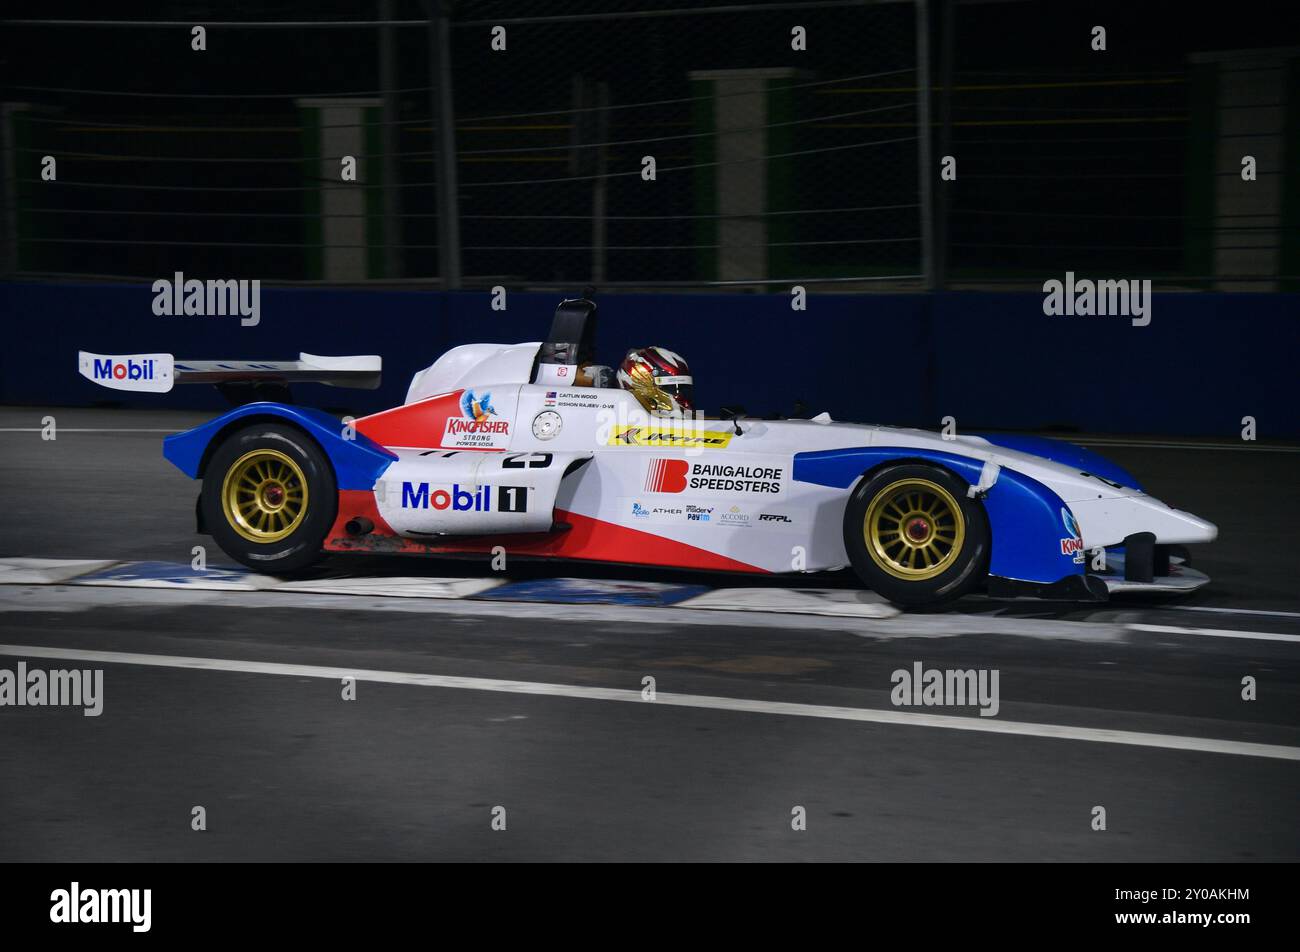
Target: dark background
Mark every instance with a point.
(1104, 164)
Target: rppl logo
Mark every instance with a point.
(107, 369)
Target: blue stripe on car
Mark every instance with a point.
(358, 463)
(1025, 517)
(1059, 451)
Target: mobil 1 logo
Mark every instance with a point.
(457, 498)
(512, 498)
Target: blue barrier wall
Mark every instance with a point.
(1204, 362)
(989, 360)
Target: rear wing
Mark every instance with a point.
(158, 373)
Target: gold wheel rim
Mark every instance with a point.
(264, 496)
(914, 529)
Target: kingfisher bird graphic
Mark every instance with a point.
(476, 408)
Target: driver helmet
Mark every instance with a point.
(659, 379)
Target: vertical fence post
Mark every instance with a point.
(9, 184)
(392, 194)
(925, 164)
(943, 203)
(599, 185)
(444, 145)
(15, 136)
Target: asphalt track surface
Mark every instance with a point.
(536, 708)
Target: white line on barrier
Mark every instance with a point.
(699, 701)
(1144, 444)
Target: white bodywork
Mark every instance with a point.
(471, 365)
(761, 517)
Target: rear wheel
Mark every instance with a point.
(269, 497)
(914, 536)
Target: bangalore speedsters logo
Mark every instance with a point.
(678, 475)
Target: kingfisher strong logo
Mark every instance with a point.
(478, 425)
(478, 409)
(1074, 544)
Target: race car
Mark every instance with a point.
(521, 450)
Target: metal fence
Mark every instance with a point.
(787, 142)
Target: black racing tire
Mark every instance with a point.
(270, 497)
(914, 536)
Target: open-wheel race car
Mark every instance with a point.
(533, 448)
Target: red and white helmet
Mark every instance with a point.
(659, 379)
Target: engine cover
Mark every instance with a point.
(466, 492)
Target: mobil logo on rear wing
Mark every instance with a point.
(149, 373)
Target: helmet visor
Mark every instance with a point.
(682, 389)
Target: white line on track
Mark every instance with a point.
(1215, 632)
(1229, 611)
(698, 701)
(64, 597)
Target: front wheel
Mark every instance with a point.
(914, 536)
(269, 497)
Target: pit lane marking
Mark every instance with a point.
(697, 701)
